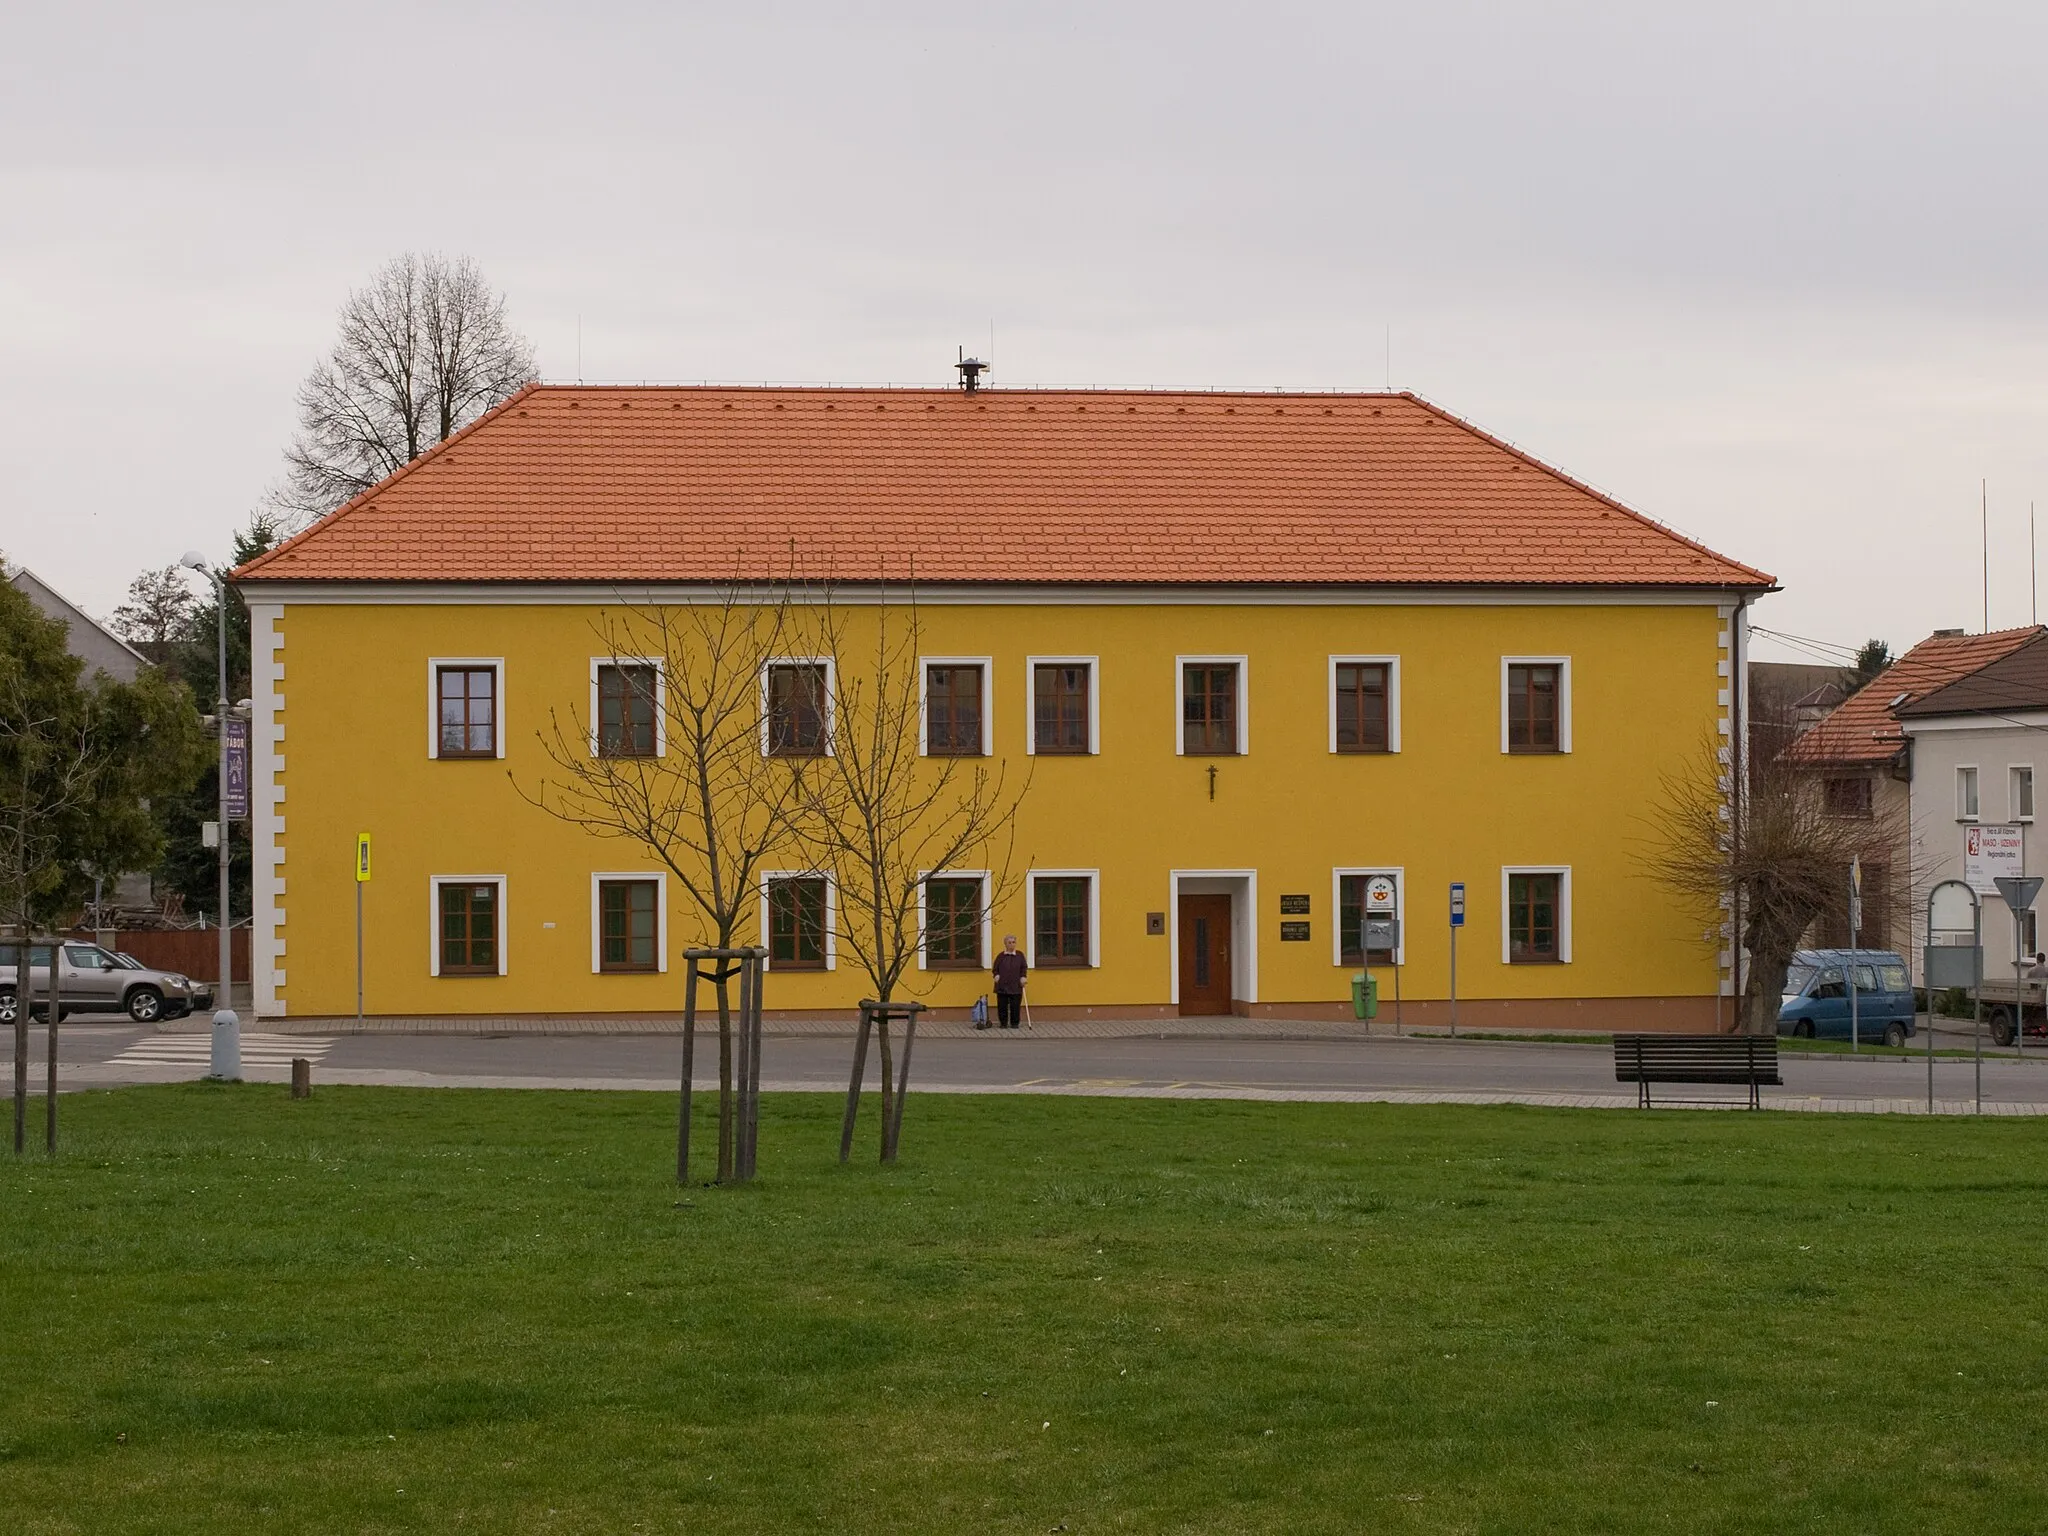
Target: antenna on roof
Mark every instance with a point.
(971, 370)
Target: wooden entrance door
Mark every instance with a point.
(1204, 954)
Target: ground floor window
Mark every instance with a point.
(629, 925)
(952, 924)
(1535, 918)
(1351, 924)
(796, 923)
(468, 912)
(1060, 920)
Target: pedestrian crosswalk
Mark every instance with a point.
(196, 1051)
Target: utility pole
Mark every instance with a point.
(227, 1025)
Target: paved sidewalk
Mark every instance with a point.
(569, 1024)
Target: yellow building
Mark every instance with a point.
(1250, 650)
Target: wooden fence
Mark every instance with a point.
(192, 951)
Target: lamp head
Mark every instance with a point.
(193, 560)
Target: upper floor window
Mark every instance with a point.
(1062, 704)
(955, 708)
(1364, 704)
(1535, 704)
(1966, 794)
(1211, 707)
(797, 919)
(2020, 794)
(1847, 796)
(797, 718)
(467, 716)
(628, 701)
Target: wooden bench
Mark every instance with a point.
(1737, 1060)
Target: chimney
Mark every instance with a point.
(971, 370)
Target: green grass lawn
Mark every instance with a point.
(390, 1309)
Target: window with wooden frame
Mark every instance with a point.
(1060, 915)
(1363, 695)
(1060, 706)
(953, 705)
(1847, 796)
(1534, 706)
(469, 911)
(1534, 918)
(1351, 924)
(797, 706)
(952, 924)
(1208, 708)
(466, 711)
(796, 923)
(628, 695)
(629, 925)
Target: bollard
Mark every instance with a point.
(227, 1046)
(302, 1077)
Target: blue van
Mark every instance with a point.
(1816, 1004)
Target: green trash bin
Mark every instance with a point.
(1365, 996)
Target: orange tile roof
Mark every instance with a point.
(1864, 729)
(600, 483)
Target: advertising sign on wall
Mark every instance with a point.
(1992, 850)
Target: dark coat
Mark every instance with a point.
(1010, 972)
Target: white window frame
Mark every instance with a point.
(1243, 724)
(831, 697)
(769, 876)
(1094, 666)
(434, 666)
(988, 916)
(1564, 701)
(660, 696)
(434, 884)
(1564, 907)
(988, 689)
(2012, 791)
(1337, 875)
(1393, 666)
(660, 879)
(1966, 773)
(1094, 879)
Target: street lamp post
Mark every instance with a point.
(227, 1025)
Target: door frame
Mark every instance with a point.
(1242, 886)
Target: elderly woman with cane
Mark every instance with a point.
(1010, 971)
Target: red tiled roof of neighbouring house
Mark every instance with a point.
(2016, 681)
(567, 483)
(1865, 728)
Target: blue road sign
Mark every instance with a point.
(1457, 903)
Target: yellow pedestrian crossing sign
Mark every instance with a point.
(362, 857)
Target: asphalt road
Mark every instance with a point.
(106, 1052)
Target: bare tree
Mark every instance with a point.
(681, 768)
(1787, 870)
(424, 349)
(881, 818)
(159, 614)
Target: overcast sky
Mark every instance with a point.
(1771, 273)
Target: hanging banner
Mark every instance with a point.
(236, 766)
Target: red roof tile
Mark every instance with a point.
(1864, 729)
(575, 483)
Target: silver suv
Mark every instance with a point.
(95, 980)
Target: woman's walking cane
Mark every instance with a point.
(1025, 999)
